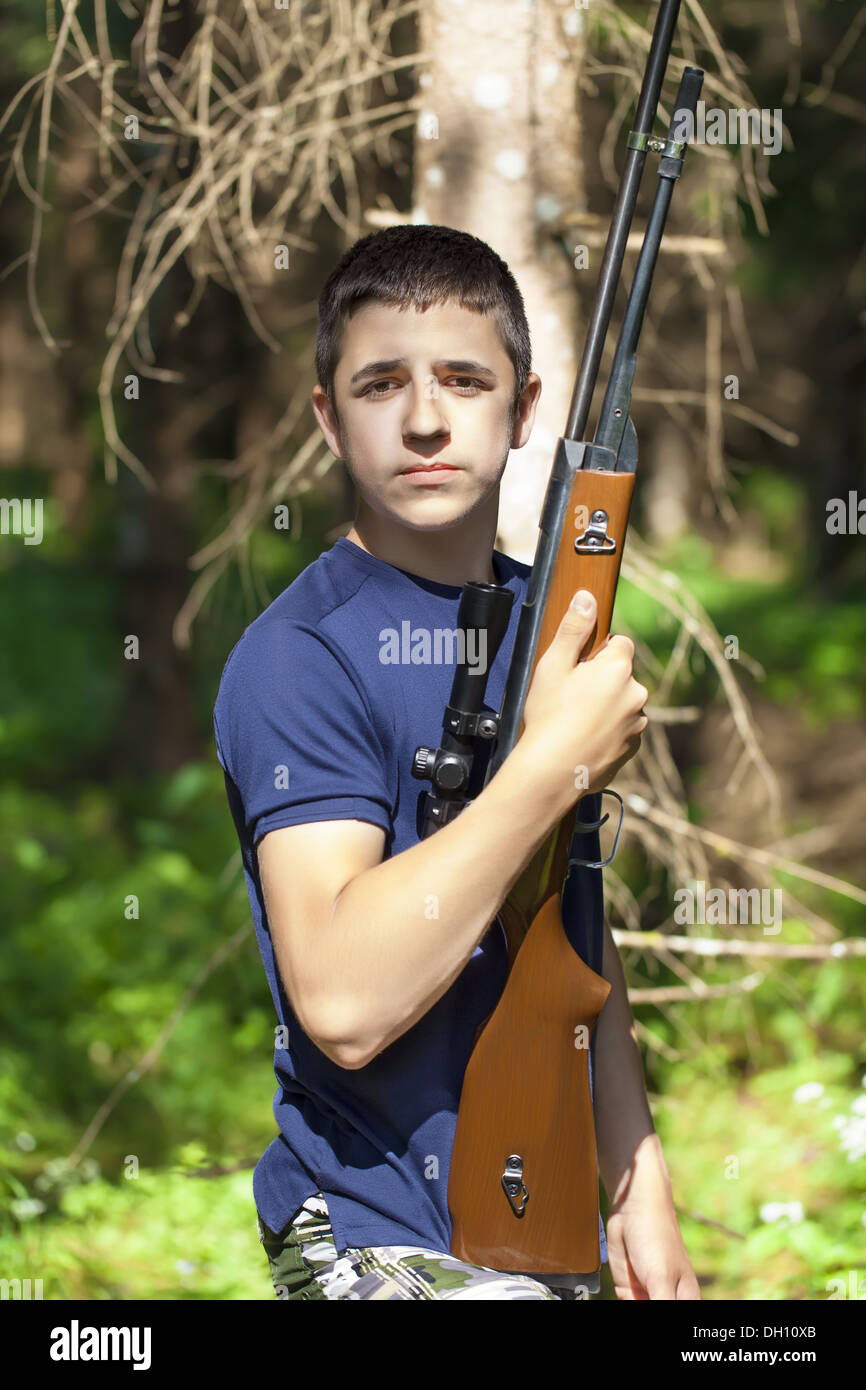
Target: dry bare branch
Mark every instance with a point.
(710, 946)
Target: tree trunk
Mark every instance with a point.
(497, 156)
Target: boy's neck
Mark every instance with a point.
(456, 556)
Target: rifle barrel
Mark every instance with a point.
(614, 409)
(571, 444)
(623, 211)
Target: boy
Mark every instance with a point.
(383, 951)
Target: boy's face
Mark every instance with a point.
(419, 388)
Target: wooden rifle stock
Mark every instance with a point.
(526, 1089)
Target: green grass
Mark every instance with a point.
(160, 1236)
(731, 1148)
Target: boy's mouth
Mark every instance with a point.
(429, 468)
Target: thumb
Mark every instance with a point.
(578, 622)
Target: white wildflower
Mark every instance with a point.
(776, 1211)
(810, 1090)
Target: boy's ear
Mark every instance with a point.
(524, 411)
(328, 422)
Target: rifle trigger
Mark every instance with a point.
(513, 1184)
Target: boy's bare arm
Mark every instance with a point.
(397, 933)
(400, 931)
(624, 1125)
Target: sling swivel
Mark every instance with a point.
(513, 1184)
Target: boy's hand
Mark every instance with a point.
(583, 714)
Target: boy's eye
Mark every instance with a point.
(466, 385)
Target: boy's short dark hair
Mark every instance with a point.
(422, 265)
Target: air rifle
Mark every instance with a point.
(523, 1178)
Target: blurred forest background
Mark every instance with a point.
(176, 182)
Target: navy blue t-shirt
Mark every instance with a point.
(313, 723)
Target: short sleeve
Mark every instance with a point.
(295, 733)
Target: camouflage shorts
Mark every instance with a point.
(304, 1264)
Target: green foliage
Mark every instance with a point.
(812, 652)
(62, 690)
(77, 865)
(776, 1161)
(91, 985)
(159, 1236)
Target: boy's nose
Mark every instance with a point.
(424, 415)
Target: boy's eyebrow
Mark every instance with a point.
(373, 369)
